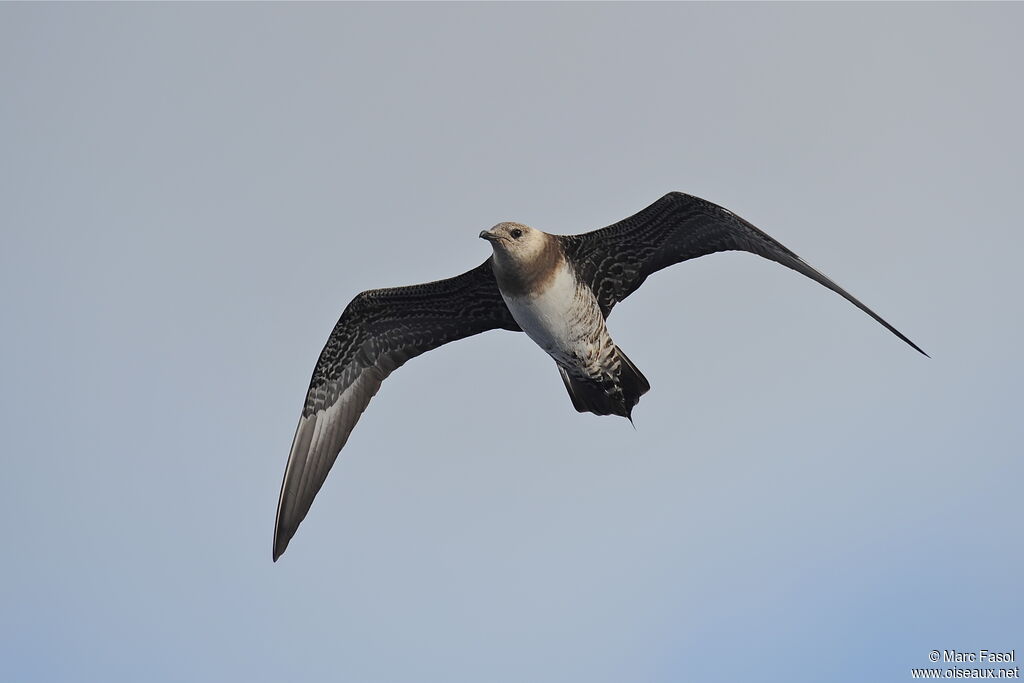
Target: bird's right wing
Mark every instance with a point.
(379, 330)
(616, 260)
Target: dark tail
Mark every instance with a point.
(610, 396)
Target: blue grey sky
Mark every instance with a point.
(191, 193)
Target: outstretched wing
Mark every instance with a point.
(379, 330)
(616, 260)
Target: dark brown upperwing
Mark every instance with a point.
(379, 331)
(616, 260)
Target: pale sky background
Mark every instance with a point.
(190, 194)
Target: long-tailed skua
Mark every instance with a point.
(559, 289)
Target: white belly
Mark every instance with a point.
(565, 321)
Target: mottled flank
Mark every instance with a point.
(559, 289)
(564, 320)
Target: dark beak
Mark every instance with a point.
(488, 235)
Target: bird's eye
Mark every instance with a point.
(516, 233)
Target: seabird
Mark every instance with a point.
(559, 289)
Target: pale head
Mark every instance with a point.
(515, 242)
(525, 259)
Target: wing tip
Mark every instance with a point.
(281, 540)
(283, 530)
(907, 340)
(280, 544)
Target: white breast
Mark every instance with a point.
(564, 319)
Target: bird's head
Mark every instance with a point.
(515, 242)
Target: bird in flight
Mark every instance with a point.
(559, 289)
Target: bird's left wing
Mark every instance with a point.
(616, 260)
(379, 331)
